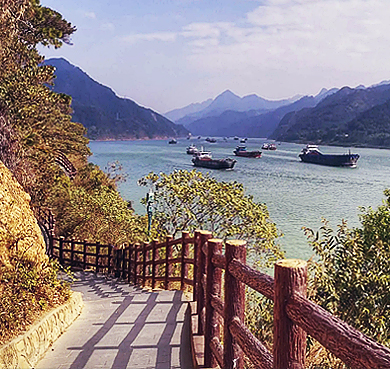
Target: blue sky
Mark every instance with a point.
(167, 54)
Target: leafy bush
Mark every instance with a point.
(90, 207)
(26, 292)
(351, 277)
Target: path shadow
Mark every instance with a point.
(139, 315)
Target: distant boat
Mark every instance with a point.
(242, 151)
(311, 154)
(192, 149)
(268, 146)
(236, 138)
(205, 160)
(211, 140)
(173, 141)
(243, 140)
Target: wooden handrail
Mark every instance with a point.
(353, 347)
(256, 280)
(294, 315)
(252, 347)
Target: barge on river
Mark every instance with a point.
(311, 154)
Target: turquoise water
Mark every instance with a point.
(297, 194)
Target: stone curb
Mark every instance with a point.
(24, 351)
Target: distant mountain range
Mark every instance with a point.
(351, 117)
(348, 116)
(103, 113)
(231, 115)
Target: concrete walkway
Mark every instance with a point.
(123, 326)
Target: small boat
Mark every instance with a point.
(173, 141)
(192, 149)
(206, 161)
(211, 140)
(268, 146)
(242, 151)
(243, 140)
(311, 154)
(236, 138)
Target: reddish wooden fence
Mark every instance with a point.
(221, 301)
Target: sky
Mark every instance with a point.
(166, 54)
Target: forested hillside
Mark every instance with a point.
(350, 116)
(103, 113)
(36, 126)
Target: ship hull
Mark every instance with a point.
(248, 154)
(344, 160)
(214, 163)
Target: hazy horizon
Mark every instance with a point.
(168, 54)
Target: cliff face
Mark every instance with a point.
(20, 235)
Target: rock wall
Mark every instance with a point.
(20, 234)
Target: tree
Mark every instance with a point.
(190, 200)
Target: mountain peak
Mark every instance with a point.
(228, 93)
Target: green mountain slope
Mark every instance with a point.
(330, 121)
(105, 115)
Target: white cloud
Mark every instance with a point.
(201, 30)
(107, 27)
(90, 15)
(157, 36)
(296, 33)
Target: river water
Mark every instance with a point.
(297, 194)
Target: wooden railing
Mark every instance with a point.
(201, 267)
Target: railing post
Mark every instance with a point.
(109, 257)
(117, 262)
(97, 257)
(195, 283)
(213, 288)
(51, 242)
(168, 257)
(144, 264)
(289, 347)
(184, 254)
(136, 246)
(61, 250)
(154, 255)
(234, 305)
(200, 300)
(123, 262)
(85, 254)
(129, 265)
(72, 251)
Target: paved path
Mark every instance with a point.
(122, 326)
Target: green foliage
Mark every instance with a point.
(26, 292)
(351, 275)
(90, 207)
(190, 200)
(259, 316)
(36, 122)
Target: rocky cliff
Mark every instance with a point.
(20, 235)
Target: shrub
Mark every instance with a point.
(26, 293)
